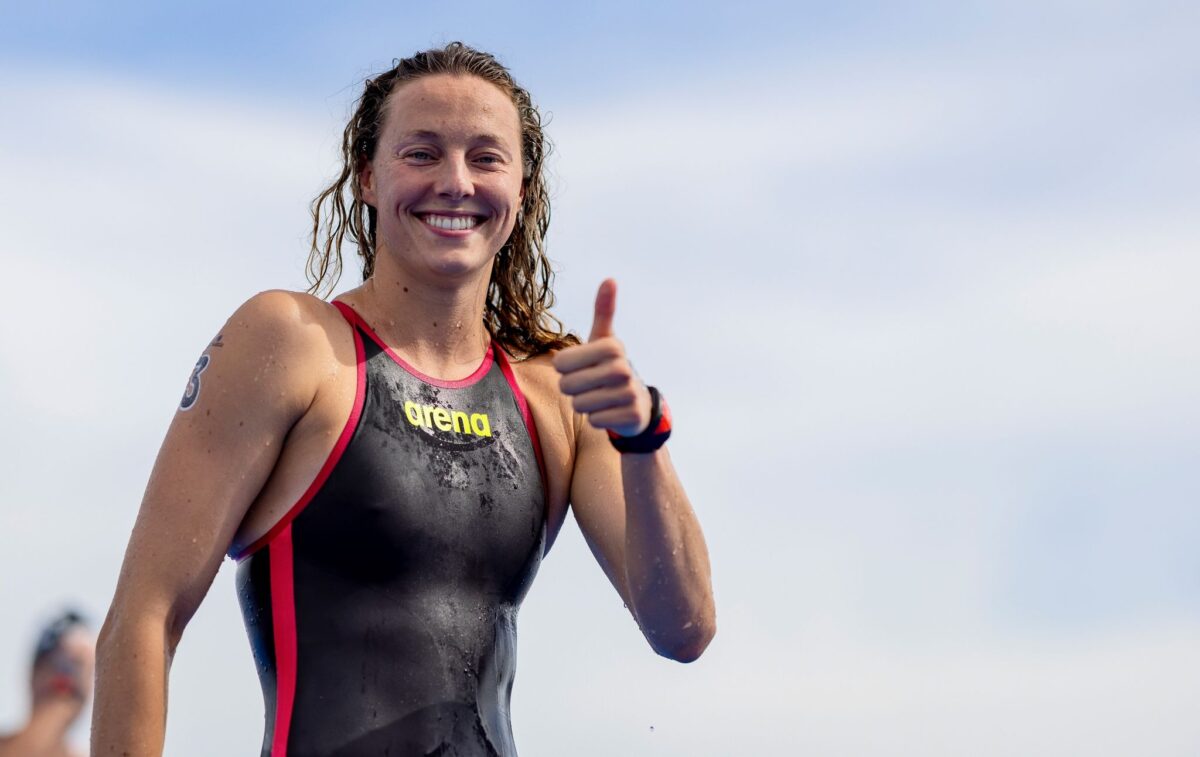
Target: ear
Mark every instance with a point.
(366, 181)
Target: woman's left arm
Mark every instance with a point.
(631, 507)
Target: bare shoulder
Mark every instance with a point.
(277, 347)
(539, 381)
(537, 370)
(296, 319)
(283, 325)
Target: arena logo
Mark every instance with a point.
(431, 416)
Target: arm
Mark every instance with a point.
(215, 459)
(632, 508)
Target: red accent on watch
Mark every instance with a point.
(656, 433)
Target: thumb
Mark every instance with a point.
(606, 306)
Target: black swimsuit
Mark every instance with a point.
(382, 608)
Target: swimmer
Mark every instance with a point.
(389, 469)
(60, 684)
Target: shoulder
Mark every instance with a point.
(281, 325)
(539, 381)
(538, 369)
(282, 342)
(280, 314)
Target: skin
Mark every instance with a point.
(279, 387)
(59, 687)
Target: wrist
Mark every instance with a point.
(656, 433)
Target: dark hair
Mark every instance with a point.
(519, 296)
(53, 632)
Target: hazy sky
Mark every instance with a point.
(920, 282)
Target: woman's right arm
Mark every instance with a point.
(253, 382)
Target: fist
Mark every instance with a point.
(598, 377)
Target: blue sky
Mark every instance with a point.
(920, 281)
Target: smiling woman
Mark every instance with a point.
(519, 297)
(389, 469)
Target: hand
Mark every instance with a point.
(598, 377)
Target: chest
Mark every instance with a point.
(433, 474)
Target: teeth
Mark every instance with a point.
(451, 223)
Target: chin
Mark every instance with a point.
(459, 265)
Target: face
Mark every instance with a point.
(66, 672)
(446, 178)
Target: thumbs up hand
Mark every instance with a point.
(598, 377)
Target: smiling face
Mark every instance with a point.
(446, 177)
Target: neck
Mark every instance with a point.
(48, 724)
(438, 329)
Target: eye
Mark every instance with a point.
(489, 159)
(419, 155)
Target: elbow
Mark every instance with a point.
(107, 638)
(135, 627)
(688, 645)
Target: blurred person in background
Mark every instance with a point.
(60, 685)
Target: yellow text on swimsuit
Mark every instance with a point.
(431, 416)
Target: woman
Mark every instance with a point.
(390, 468)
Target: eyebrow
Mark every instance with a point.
(491, 139)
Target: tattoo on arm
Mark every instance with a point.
(192, 393)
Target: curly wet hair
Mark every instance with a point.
(519, 295)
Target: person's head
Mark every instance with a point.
(519, 296)
(63, 661)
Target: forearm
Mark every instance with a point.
(666, 559)
(130, 711)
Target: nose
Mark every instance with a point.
(454, 178)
